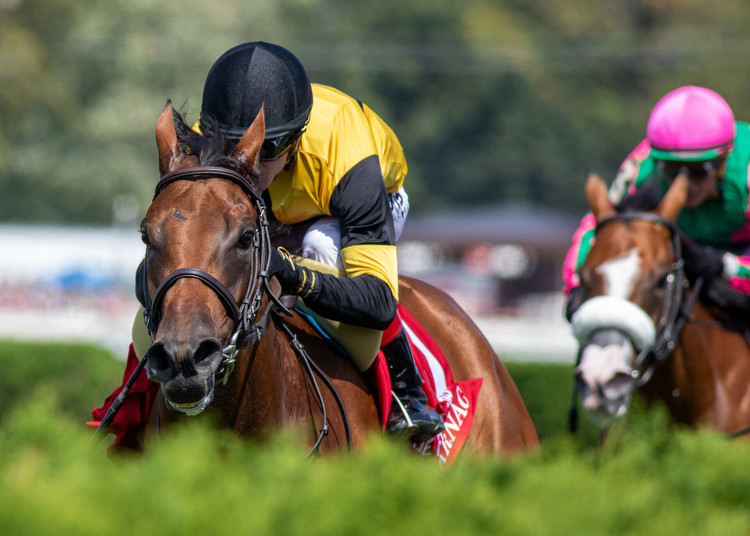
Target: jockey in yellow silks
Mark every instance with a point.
(329, 158)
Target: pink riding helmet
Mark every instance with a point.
(691, 123)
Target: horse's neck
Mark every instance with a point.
(704, 381)
(265, 387)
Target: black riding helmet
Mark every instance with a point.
(254, 74)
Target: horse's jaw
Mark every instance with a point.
(190, 408)
(605, 381)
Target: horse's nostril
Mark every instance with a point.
(207, 349)
(159, 363)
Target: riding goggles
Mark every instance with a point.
(274, 147)
(695, 170)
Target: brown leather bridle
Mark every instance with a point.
(243, 313)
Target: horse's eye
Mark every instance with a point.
(144, 238)
(246, 240)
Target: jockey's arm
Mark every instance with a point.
(579, 249)
(367, 296)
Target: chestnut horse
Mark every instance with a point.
(223, 340)
(643, 328)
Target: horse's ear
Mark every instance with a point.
(247, 151)
(673, 201)
(596, 195)
(171, 156)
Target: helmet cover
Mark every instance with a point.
(691, 123)
(254, 74)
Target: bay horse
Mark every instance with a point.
(224, 341)
(643, 328)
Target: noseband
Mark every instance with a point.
(243, 314)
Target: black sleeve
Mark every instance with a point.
(364, 300)
(141, 287)
(360, 204)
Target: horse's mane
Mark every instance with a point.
(643, 200)
(210, 146)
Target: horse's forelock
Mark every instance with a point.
(643, 200)
(209, 146)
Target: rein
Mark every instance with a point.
(244, 314)
(310, 367)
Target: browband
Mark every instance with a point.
(204, 172)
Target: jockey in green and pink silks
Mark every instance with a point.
(690, 128)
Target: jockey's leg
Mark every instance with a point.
(410, 417)
(322, 243)
(360, 343)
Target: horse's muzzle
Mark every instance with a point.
(186, 372)
(189, 408)
(604, 377)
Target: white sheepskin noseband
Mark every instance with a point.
(611, 312)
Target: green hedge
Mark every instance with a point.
(649, 480)
(80, 376)
(547, 392)
(52, 481)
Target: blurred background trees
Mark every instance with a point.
(494, 101)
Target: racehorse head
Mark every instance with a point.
(201, 234)
(631, 285)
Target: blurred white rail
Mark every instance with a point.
(35, 261)
(515, 339)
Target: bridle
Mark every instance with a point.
(243, 314)
(675, 310)
(674, 315)
(672, 319)
(247, 331)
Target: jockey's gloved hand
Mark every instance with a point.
(294, 279)
(701, 261)
(363, 300)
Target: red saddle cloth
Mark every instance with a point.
(455, 401)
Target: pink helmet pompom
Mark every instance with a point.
(691, 123)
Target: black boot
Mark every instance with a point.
(410, 417)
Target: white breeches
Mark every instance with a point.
(322, 241)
